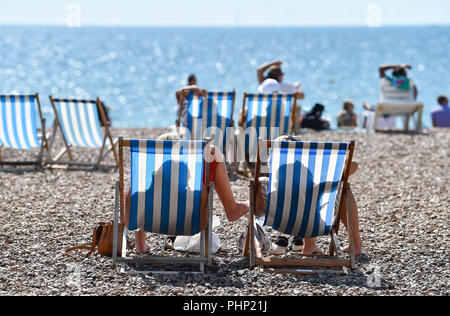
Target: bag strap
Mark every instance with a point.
(95, 239)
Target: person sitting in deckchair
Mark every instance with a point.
(218, 175)
(273, 81)
(310, 246)
(183, 107)
(397, 88)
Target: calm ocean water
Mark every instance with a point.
(136, 71)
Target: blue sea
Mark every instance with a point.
(136, 71)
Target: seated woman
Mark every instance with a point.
(219, 177)
(310, 246)
(347, 118)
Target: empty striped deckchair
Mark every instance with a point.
(166, 195)
(18, 126)
(267, 116)
(79, 123)
(308, 182)
(211, 118)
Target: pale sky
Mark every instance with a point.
(225, 12)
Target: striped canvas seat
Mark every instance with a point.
(18, 128)
(80, 122)
(305, 181)
(268, 116)
(211, 117)
(166, 186)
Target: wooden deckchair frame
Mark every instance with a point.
(331, 260)
(107, 135)
(44, 144)
(119, 215)
(399, 110)
(243, 121)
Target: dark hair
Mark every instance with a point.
(190, 78)
(442, 99)
(399, 72)
(274, 73)
(316, 111)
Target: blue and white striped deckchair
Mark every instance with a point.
(214, 117)
(166, 193)
(18, 126)
(79, 122)
(268, 116)
(306, 192)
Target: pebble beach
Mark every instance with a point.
(402, 189)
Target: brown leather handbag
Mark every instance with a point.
(102, 238)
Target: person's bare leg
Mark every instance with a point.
(310, 247)
(141, 245)
(355, 220)
(233, 210)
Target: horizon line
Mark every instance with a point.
(224, 25)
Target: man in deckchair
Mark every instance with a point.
(272, 82)
(183, 107)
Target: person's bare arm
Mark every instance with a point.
(264, 67)
(299, 91)
(384, 68)
(300, 94)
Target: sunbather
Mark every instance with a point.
(397, 88)
(310, 246)
(347, 118)
(192, 86)
(219, 176)
(273, 81)
(441, 114)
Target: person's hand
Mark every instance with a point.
(407, 66)
(277, 63)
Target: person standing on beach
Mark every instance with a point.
(441, 114)
(182, 103)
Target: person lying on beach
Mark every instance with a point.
(182, 102)
(218, 176)
(397, 88)
(309, 245)
(347, 118)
